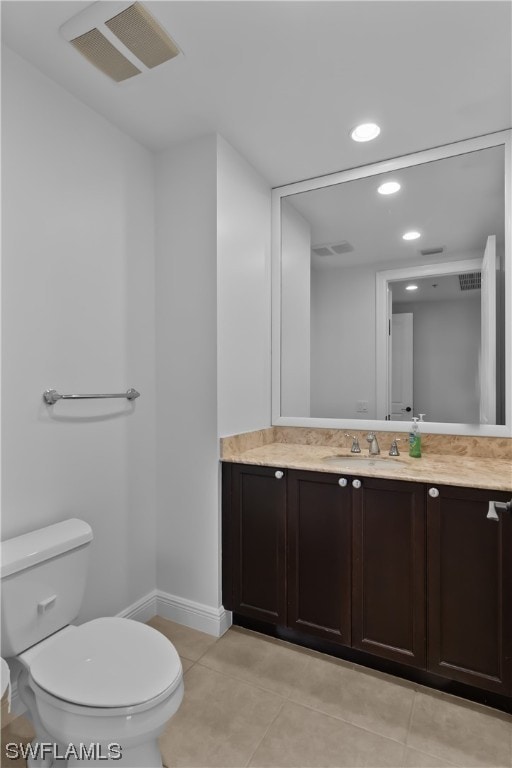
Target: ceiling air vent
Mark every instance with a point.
(120, 39)
(138, 30)
(105, 56)
(332, 249)
(471, 281)
(432, 251)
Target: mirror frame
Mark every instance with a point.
(501, 138)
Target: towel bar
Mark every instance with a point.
(51, 396)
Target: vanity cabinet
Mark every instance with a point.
(470, 588)
(411, 573)
(388, 589)
(255, 566)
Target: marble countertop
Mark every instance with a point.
(467, 471)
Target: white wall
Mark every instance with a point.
(78, 315)
(213, 347)
(446, 384)
(342, 342)
(186, 311)
(295, 312)
(108, 285)
(243, 294)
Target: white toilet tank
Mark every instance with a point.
(43, 575)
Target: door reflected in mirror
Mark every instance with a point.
(441, 345)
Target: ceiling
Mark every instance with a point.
(285, 81)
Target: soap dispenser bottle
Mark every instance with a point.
(415, 439)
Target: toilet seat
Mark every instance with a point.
(108, 663)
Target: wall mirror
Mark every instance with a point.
(370, 327)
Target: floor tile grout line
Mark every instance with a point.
(243, 680)
(183, 654)
(264, 735)
(289, 697)
(411, 715)
(437, 756)
(192, 664)
(407, 745)
(212, 645)
(347, 722)
(187, 658)
(404, 752)
(344, 720)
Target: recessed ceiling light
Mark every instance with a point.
(411, 235)
(388, 188)
(411, 287)
(365, 132)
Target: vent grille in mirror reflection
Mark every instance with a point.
(333, 249)
(471, 281)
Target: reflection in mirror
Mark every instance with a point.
(435, 350)
(336, 240)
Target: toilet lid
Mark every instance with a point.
(109, 662)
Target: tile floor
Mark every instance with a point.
(254, 701)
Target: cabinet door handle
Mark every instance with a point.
(503, 506)
(433, 492)
(279, 474)
(343, 482)
(356, 483)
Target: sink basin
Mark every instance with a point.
(364, 461)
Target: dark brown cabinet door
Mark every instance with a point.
(470, 588)
(319, 555)
(388, 597)
(258, 545)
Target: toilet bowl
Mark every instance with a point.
(99, 693)
(108, 682)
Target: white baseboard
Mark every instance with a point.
(213, 621)
(143, 609)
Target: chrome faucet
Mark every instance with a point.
(355, 443)
(393, 451)
(374, 449)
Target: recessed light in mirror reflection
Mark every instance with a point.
(365, 132)
(413, 235)
(388, 188)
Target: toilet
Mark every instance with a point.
(98, 693)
